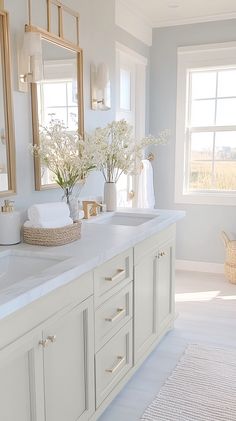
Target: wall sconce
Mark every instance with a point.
(30, 62)
(100, 87)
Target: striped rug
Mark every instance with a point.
(202, 387)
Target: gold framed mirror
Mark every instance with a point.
(7, 141)
(59, 95)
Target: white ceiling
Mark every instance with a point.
(177, 12)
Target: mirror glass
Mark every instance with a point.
(57, 97)
(7, 169)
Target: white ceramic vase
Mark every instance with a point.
(110, 196)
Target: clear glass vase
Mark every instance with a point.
(72, 202)
(71, 197)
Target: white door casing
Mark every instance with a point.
(131, 106)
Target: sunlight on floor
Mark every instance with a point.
(196, 296)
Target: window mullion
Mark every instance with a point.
(213, 179)
(187, 159)
(213, 162)
(67, 110)
(212, 129)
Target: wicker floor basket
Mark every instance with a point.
(52, 236)
(230, 261)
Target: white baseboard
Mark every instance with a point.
(195, 266)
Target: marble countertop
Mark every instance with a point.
(99, 243)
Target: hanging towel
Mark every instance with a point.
(146, 196)
(44, 212)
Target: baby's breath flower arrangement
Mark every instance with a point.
(67, 155)
(120, 152)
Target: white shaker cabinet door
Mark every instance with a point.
(21, 381)
(69, 365)
(145, 304)
(165, 285)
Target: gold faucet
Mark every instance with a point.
(90, 208)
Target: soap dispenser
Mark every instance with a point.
(10, 224)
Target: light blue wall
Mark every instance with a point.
(98, 34)
(199, 233)
(97, 38)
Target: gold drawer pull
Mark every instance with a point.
(119, 313)
(116, 277)
(113, 369)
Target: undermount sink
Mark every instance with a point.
(123, 218)
(16, 265)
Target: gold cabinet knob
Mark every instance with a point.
(52, 338)
(44, 343)
(161, 254)
(49, 340)
(131, 194)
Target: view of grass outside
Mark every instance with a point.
(206, 176)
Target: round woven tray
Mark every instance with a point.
(52, 236)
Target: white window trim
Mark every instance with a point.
(196, 57)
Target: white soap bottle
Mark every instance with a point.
(10, 224)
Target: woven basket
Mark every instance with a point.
(52, 236)
(230, 261)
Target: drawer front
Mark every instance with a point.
(112, 275)
(113, 361)
(113, 314)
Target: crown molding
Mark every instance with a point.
(133, 22)
(197, 19)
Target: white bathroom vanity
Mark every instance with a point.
(77, 321)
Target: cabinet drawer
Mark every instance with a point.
(112, 275)
(113, 361)
(112, 315)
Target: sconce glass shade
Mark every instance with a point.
(102, 76)
(100, 87)
(30, 58)
(32, 44)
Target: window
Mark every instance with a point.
(206, 126)
(58, 101)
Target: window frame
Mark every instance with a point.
(203, 57)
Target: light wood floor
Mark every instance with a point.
(206, 309)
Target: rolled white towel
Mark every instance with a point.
(44, 212)
(56, 223)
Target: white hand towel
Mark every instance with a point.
(56, 223)
(146, 196)
(41, 213)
